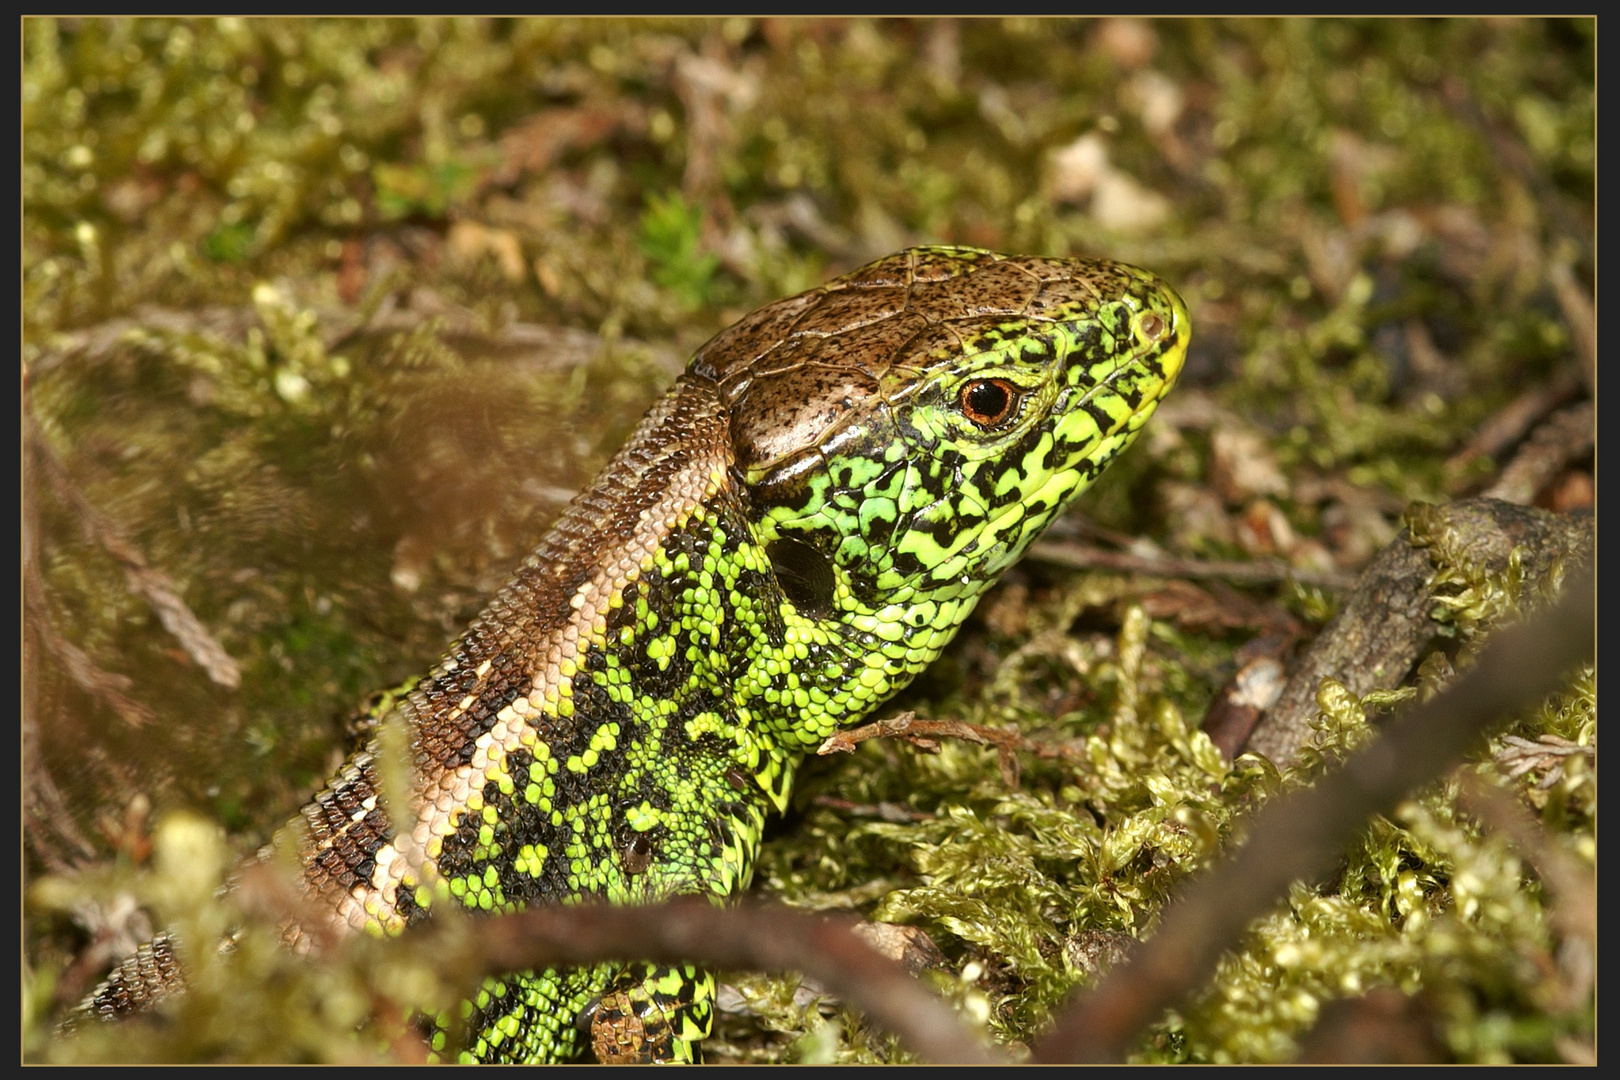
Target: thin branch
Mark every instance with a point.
(219, 326)
(1264, 572)
(48, 825)
(154, 586)
(750, 936)
(921, 733)
(1508, 424)
(1297, 837)
(1564, 438)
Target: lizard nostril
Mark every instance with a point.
(1153, 326)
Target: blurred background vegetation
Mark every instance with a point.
(324, 319)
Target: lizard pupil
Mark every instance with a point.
(987, 402)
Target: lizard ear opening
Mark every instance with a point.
(806, 575)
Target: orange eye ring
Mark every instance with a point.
(988, 402)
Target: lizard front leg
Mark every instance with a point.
(522, 1017)
(652, 1014)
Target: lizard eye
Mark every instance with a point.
(988, 402)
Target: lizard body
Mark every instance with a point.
(792, 534)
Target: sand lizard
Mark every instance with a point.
(792, 533)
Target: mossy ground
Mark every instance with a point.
(1364, 218)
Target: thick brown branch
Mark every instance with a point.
(1384, 626)
(751, 936)
(1298, 836)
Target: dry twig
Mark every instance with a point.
(108, 687)
(1508, 424)
(1564, 438)
(922, 733)
(1547, 753)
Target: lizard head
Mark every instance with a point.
(904, 432)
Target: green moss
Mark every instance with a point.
(213, 207)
